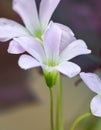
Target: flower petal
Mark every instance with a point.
(65, 28)
(95, 106)
(69, 69)
(28, 12)
(74, 49)
(52, 39)
(10, 29)
(92, 81)
(67, 36)
(27, 62)
(15, 48)
(32, 46)
(47, 8)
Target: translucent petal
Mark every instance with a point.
(95, 106)
(92, 81)
(32, 46)
(69, 69)
(67, 36)
(15, 48)
(27, 62)
(74, 49)
(28, 12)
(47, 8)
(52, 39)
(10, 29)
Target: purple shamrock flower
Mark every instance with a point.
(94, 83)
(52, 55)
(35, 24)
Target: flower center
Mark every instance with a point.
(39, 34)
(51, 63)
(99, 95)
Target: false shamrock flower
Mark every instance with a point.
(51, 55)
(94, 83)
(35, 24)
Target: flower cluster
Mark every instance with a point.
(48, 44)
(50, 54)
(35, 24)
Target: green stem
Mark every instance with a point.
(79, 119)
(59, 109)
(51, 109)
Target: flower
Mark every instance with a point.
(35, 24)
(94, 83)
(51, 55)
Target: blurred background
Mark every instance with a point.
(24, 97)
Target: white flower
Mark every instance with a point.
(94, 83)
(35, 24)
(51, 55)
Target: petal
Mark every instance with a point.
(65, 28)
(47, 8)
(15, 48)
(95, 106)
(27, 62)
(52, 38)
(28, 12)
(32, 46)
(10, 29)
(67, 36)
(74, 49)
(69, 69)
(92, 81)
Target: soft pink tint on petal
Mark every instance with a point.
(67, 36)
(15, 48)
(52, 39)
(69, 69)
(65, 28)
(28, 12)
(27, 62)
(47, 8)
(74, 49)
(32, 46)
(10, 29)
(92, 81)
(95, 106)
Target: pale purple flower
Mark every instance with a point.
(51, 55)
(94, 83)
(35, 23)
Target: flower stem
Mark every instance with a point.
(51, 109)
(59, 109)
(79, 119)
